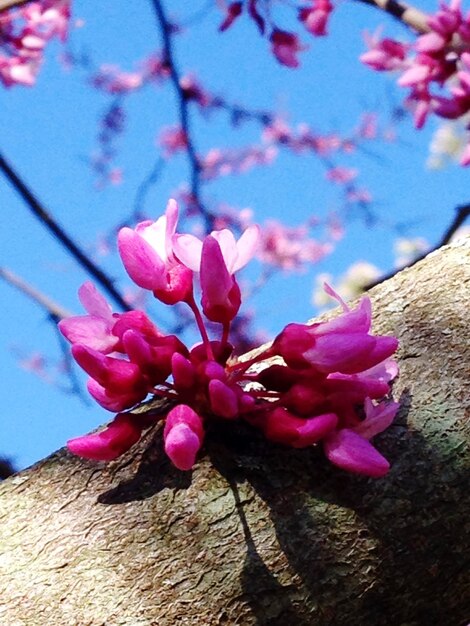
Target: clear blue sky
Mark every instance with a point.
(49, 131)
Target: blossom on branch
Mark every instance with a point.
(329, 384)
(24, 34)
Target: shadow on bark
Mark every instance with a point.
(413, 531)
(154, 473)
(409, 524)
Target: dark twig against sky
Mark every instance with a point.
(52, 226)
(184, 115)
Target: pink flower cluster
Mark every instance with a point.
(438, 60)
(24, 33)
(285, 45)
(327, 383)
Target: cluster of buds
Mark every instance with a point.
(24, 33)
(439, 59)
(326, 382)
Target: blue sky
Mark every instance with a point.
(49, 131)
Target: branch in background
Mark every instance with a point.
(462, 213)
(408, 15)
(53, 309)
(55, 313)
(47, 220)
(183, 109)
(6, 5)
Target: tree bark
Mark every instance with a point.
(259, 534)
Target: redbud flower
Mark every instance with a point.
(285, 47)
(183, 436)
(147, 254)
(95, 329)
(328, 388)
(120, 435)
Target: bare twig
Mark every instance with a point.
(183, 108)
(48, 221)
(462, 213)
(51, 307)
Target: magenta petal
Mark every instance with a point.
(93, 302)
(182, 445)
(188, 250)
(314, 429)
(224, 401)
(183, 414)
(171, 214)
(110, 443)
(342, 352)
(228, 247)
(378, 418)
(184, 374)
(357, 320)
(353, 453)
(141, 261)
(93, 332)
(247, 246)
(216, 280)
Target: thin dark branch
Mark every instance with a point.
(183, 110)
(47, 220)
(462, 213)
(144, 187)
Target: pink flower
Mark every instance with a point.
(385, 54)
(350, 449)
(283, 427)
(341, 345)
(183, 436)
(353, 453)
(120, 435)
(315, 19)
(95, 329)
(285, 47)
(147, 254)
(173, 140)
(217, 259)
(236, 254)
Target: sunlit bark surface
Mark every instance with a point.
(259, 534)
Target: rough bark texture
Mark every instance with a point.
(259, 534)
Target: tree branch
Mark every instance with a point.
(6, 5)
(59, 233)
(52, 308)
(462, 212)
(258, 533)
(410, 16)
(183, 109)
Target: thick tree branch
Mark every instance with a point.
(59, 233)
(462, 213)
(410, 16)
(5, 5)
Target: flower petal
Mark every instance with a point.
(353, 453)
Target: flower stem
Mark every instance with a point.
(200, 324)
